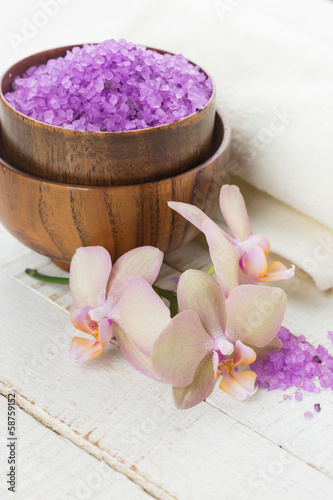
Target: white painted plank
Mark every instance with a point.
(283, 422)
(50, 467)
(128, 420)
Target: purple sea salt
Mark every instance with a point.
(330, 335)
(112, 86)
(298, 396)
(317, 407)
(308, 414)
(298, 364)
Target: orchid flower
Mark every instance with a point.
(117, 301)
(241, 258)
(213, 336)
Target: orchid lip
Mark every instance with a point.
(241, 263)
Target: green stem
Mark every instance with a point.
(166, 294)
(49, 279)
(170, 296)
(211, 270)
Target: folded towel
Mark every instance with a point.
(273, 66)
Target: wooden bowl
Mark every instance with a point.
(100, 158)
(55, 219)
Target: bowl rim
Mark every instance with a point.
(98, 134)
(226, 139)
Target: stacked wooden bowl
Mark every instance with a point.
(61, 189)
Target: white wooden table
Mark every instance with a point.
(101, 430)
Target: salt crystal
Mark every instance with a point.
(317, 407)
(48, 116)
(92, 85)
(308, 385)
(308, 414)
(54, 103)
(298, 396)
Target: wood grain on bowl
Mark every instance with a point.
(55, 219)
(100, 158)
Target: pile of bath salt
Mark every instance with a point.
(296, 365)
(113, 86)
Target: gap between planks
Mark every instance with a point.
(44, 456)
(63, 430)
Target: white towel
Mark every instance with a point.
(272, 61)
(273, 65)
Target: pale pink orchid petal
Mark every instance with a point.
(84, 349)
(244, 355)
(194, 215)
(82, 321)
(198, 291)
(189, 212)
(180, 348)
(201, 387)
(105, 331)
(277, 271)
(245, 280)
(141, 314)
(134, 356)
(275, 345)
(254, 263)
(225, 257)
(89, 273)
(234, 212)
(240, 385)
(254, 314)
(143, 262)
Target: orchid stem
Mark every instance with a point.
(49, 279)
(211, 270)
(170, 296)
